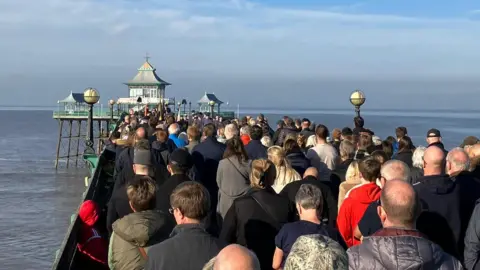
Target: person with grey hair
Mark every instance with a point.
(174, 131)
(309, 203)
(230, 131)
(457, 162)
(316, 252)
(417, 162)
(399, 245)
(266, 141)
(346, 152)
(245, 133)
(234, 257)
(370, 222)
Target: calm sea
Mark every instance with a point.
(37, 201)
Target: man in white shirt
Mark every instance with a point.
(322, 156)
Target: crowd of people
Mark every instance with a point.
(206, 193)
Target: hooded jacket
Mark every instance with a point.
(135, 231)
(90, 242)
(352, 210)
(392, 248)
(441, 219)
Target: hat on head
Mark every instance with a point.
(346, 131)
(142, 157)
(181, 158)
(470, 140)
(432, 133)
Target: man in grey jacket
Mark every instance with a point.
(398, 245)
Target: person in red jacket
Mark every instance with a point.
(358, 198)
(90, 243)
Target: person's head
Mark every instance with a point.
(387, 148)
(266, 141)
(434, 136)
(289, 122)
(417, 158)
(358, 121)
(235, 257)
(369, 169)
(316, 251)
(230, 131)
(190, 202)
(336, 134)
(209, 130)
(346, 131)
(321, 133)
(433, 161)
(346, 150)
(364, 142)
(400, 132)
(252, 122)
(245, 130)
(193, 134)
(235, 148)
(400, 206)
(127, 119)
(380, 156)
(141, 193)
(89, 212)
(394, 170)
(353, 173)
(174, 129)
(298, 123)
(280, 124)
(301, 141)
(256, 133)
(140, 134)
(276, 154)
(305, 123)
(311, 172)
(405, 144)
(309, 201)
(142, 158)
(162, 136)
(180, 161)
(457, 161)
(469, 141)
(263, 173)
(291, 146)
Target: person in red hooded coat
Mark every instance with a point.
(357, 200)
(90, 243)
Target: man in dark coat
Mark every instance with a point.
(206, 157)
(330, 210)
(255, 149)
(306, 131)
(289, 129)
(190, 247)
(441, 218)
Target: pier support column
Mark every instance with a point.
(79, 126)
(60, 122)
(69, 142)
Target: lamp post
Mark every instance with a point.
(111, 102)
(357, 98)
(212, 104)
(91, 97)
(184, 103)
(190, 106)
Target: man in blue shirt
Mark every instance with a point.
(174, 130)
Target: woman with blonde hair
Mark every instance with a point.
(352, 178)
(285, 173)
(255, 219)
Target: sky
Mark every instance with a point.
(403, 54)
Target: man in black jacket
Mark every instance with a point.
(287, 130)
(190, 247)
(330, 210)
(440, 198)
(255, 149)
(179, 167)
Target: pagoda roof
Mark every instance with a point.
(209, 97)
(73, 98)
(147, 76)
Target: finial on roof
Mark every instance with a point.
(147, 56)
(205, 92)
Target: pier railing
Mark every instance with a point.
(84, 114)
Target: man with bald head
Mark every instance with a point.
(441, 219)
(234, 257)
(407, 247)
(370, 222)
(173, 132)
(330, 210)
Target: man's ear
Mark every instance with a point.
(381, 213)
(169, 169)
(131, 206)
(134, 169)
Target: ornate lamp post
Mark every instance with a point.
(357, 98)
(212, 104)
(111, 102)
(184, 103)
(91, 97)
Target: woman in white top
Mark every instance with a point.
(285, 173)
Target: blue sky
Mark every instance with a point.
(239, 49)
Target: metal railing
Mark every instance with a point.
(96, 113)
